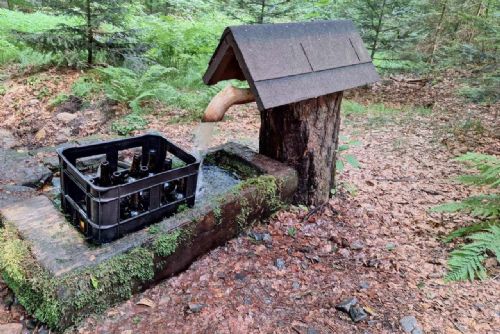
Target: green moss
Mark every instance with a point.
(65, 300)
(167, 243)
(217, 214)
(231, 162)
(266, 191)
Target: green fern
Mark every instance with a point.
(466, 263)
(487, 165)
(467, 230)
(482, 206)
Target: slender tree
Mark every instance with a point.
(102, 27)
(258, 11)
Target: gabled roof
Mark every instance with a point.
(291, 62)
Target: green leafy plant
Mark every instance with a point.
(343, 157)
(486, 206)
(128, 124)
(466, 261)
(292, 232)
(127, 86)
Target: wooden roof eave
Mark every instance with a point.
(218, 64)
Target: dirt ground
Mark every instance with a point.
(375, 240)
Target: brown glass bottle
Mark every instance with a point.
(152, 162)
(135, 205)
(167, 164)
(105, 174)
(135, 168)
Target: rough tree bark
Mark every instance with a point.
(305, 136)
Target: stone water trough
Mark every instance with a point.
(60, 278)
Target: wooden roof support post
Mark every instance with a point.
(305, 136)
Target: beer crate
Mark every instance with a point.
(100, 212)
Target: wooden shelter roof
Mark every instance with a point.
(290, 62)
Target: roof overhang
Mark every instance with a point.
(291, 62)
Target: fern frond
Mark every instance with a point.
(487, 165)
(466, 263)
(467, 230)
(482, 206)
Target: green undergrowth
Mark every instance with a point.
(482, 239)
(379, 114)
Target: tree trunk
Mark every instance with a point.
(378, 29)
(90, 37)
(305, 136)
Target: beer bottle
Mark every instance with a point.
(135, 205)
(144, 171)
(135, 168)
(116, 178)
(152, 162)
(167, 164)
(105, 174)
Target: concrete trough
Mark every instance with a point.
(60, 278)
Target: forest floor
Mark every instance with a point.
(375, 241)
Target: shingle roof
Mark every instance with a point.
(291, 62)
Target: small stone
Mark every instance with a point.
(66, 117)
(295, 285)
(280, 264)
(408, 323)
(364, 285)
(357, 313)
(373, 263)
(390, 246)
(196, 308)
(240, 276)
(41, 134)
(7, 139)
(127, 331)
(346, 304)
(357, 245)
(345, 252)
(417, 330)
(16, 328)
(311, 330)
(256, 236)
(266, 237)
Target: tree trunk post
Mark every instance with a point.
(305, 136)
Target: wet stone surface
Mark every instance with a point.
(19, 168)
(10, 194)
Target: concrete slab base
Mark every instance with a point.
(61, 279)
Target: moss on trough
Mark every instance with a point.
(231, 162)
(63, 301)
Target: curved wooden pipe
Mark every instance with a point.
(226, 98)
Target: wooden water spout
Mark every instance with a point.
(226, 98)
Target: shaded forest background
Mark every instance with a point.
(165, 45)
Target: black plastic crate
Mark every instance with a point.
(100, 212)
